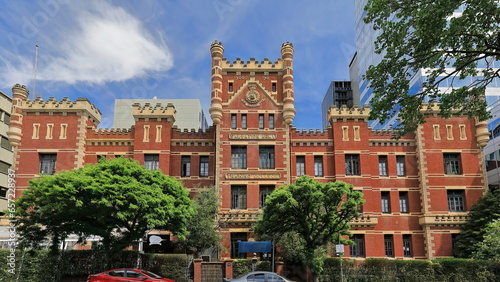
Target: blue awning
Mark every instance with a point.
(254, 247)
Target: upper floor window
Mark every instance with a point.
(4, 167)
(5, 143)
(151, 161)
(300, 165)
(318, 166)
(386, 202)
(47, 163)
(233, 121)
(185, 166)
(274, 87)
(265, 190)
(238, 157)
(238, 197)
(244, 121)
(352, 164)
(382, 166)
(452, 163)
(203, 166)
(456, 200)
(230, 87)
(403, 202)
(271, 121)
(261, 121)
(400, 165)
(266, 157)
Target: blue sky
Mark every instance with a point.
(103, 50)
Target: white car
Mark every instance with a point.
(259, 276)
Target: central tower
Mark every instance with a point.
(252, 108)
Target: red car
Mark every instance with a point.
(127, 274)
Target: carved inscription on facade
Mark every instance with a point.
(247, 176)
(252, 136)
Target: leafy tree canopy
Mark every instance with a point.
(486, 210)
(489, 248)
(317, 212)
(202, 227)
(448, 46)
(116, 199)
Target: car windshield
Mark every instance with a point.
(153, 275)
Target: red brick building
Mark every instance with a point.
(418, 189)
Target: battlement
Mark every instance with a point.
(198, 133)
(112, 131)
(157, 111)
(344, 113)
(383, 132)
(309, 132)
(240, 64)
(65, 105)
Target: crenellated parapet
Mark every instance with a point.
(112, 131)
(240, 65)
(81, 105)
(310, 132)
(344, 113)
(158, 112)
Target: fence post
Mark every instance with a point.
(228, 264)
(197, 270)
(280, 267)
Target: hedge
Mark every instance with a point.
(39, 266)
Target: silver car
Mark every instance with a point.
(259, 276)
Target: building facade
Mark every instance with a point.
(6, 154)
(418, 189)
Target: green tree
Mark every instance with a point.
(485, 211)
(202, 227)
(117, 199)
(425, 34)
(489, 248)
(316, 211)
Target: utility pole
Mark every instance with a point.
(34, 72)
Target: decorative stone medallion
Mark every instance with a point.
(252, 98)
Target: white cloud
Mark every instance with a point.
(101, 43)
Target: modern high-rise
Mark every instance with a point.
(189, 112)
(339, 93)
(366, 56)
(6, 154)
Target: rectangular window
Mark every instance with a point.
(238, 197)
(352, 164)
(389, 245)
(407, 251)
(452, 163)
(274, 87)
(265, 190)
(185, 166)
(400, 165)
(456, 200)
(358, 249)
(382, 165)
(100, 158)
(244, 121)
(6, 119)
(6, 144)
(261, 121)
(386, 202)
(151, 161)
(318, 166)
(203, 166)
(236, 238)
(233, 121)
(271, 121)
(4, 167)
(403, 202)
(230, 88)
(238, 157)
(47, 163)
(266, 157)
(300, 165)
